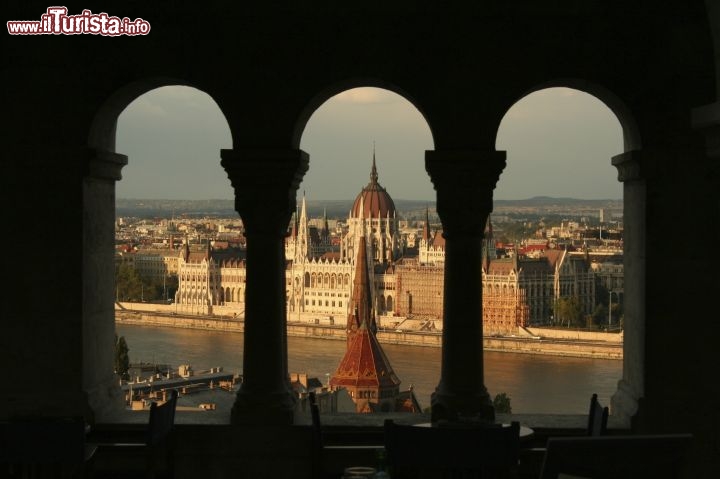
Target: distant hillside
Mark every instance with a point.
(538, 201)
(335, 208)
(144, 208)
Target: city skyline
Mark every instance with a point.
(558, 141)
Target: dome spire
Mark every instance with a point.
(373, 172)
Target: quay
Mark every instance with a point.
(140, 390)
(545, 341)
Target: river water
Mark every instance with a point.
(535, 383)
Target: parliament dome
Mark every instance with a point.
(373, 199)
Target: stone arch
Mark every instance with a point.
(327, 92)
(389, 303)
(631, 387)
(631, 131)
(103, 126)
(99, 207)
(307, 280)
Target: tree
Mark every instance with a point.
(501, 403)
(128, 283)
(569, 309)
(122, 359)
(600, 315)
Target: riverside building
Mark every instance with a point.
(406, 292)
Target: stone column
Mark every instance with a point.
(631, 388)
(706, 120)
(68, 332)
(464, 181)
(265, 183)
(102, 171)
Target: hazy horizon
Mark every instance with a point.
(353, 198)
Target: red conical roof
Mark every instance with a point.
(365, 364)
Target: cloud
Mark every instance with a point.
(366, 95)
(145, 107)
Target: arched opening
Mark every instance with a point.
(355, 134)
(172, 135)
(560, 140)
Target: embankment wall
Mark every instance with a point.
(596, 345)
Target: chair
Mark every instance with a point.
(331, 456)
(597, 418)
(616, 457)
(596, 426)
(452, 451)
(45, 447)
(317, 435)
(155, 452)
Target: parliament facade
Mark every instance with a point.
(517, 292)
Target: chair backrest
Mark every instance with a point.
(317, 446)
(597, 418)
(616, 457)
(162, 419)
(314, 413)
(445, 450)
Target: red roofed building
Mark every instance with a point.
(365, 371)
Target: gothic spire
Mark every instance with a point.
(361, 306)
(326, 227)
(426, 227)
(303, 241)
(373, 172)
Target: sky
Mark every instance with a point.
(558, 141)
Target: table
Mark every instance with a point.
(525, 431)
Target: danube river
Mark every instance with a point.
(535, 383)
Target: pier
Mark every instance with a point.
(140, 390)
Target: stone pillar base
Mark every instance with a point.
(265, 408)
(452, 407)
(106, 399)
(624, 403)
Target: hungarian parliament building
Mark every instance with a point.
(407, 293)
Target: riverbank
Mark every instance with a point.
(545, 341)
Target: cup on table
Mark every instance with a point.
(358, 471)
